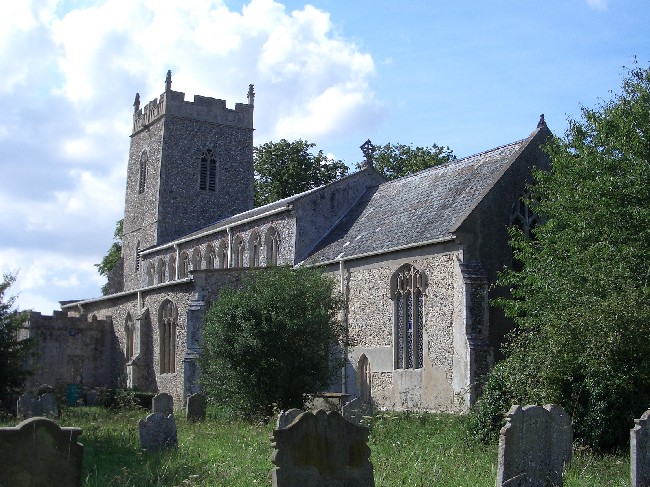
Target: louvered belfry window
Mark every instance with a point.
(407, 289)
(208, 171)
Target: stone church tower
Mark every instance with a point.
(190, 165)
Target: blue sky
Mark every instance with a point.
(470, 75)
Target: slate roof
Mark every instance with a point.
(423, 207)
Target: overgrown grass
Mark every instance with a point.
(407, 450)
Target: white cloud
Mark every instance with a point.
(71, 70)
(597, 4)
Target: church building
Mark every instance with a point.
(414, 258)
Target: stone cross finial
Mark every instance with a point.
(542, 122)
(251, 95)
(368, 152)
(136, 103)
(168, 80)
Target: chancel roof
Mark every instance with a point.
(423, 207)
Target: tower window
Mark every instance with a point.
(142, 180)
(208, 171)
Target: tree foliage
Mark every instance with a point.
(397, 160)
(286, 168)
(13, 352)
(113, 255)
(581, 302)
(271, 341)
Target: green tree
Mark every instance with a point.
(397, 160)
(13, 352)
(286, 168)
(271, 341)
(581, 302)
(113, 256)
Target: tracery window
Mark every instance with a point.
(142, 178)
(208, 171)
(238, 248)
(184, 266)
(168, 321)
(407, 290)
(129, 333)
(272, 246)
(522, 216)
(255, 245)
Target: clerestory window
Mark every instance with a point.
(272, 246)
(208, 171)
(407, 291)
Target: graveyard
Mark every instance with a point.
(406, 449)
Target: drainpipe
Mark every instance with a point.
(229, 247)
(139, 302)
(178, 261)
(344, 319)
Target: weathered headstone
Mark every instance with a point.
(48, 405)
(534, 446)
(158, 432)
(162, 403)
(640, 451)
(195, 407)
(39, 453)
(355, 410)
(285, 418)
(321, 449)
(27, 406)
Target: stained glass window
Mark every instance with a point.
(407, 289)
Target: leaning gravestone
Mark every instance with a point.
(285, 418)
(195, 407)
(48, 404)
(321, 449)
(355, 410)
(640, 452)
(534, 446)
(158, 432)
(27, 406)
(39, 453)
(162, 403)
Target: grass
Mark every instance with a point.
(407, 450)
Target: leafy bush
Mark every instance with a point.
(581, 302)
(270, 342)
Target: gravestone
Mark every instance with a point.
(355, 410)
(48, 405)
(285, 418)
(534, 446)
(640, 452)
(158, 432)
(195, 407)
(39, 453)
(29, 405)
(321, 449)
(162, 403)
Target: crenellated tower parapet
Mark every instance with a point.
(203, 108)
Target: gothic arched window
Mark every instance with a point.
(151, 271)
(129, 333)
(222, 254)
(172, 268)
(364, 380)
(210, 257)
(407, 291)
(208, 171)
(255, 245)
(272, 246)
(196, 259)
(142, 178)
(184, 266)
(522, 216)
(238, 252)
(160, 271)
(167, 323)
